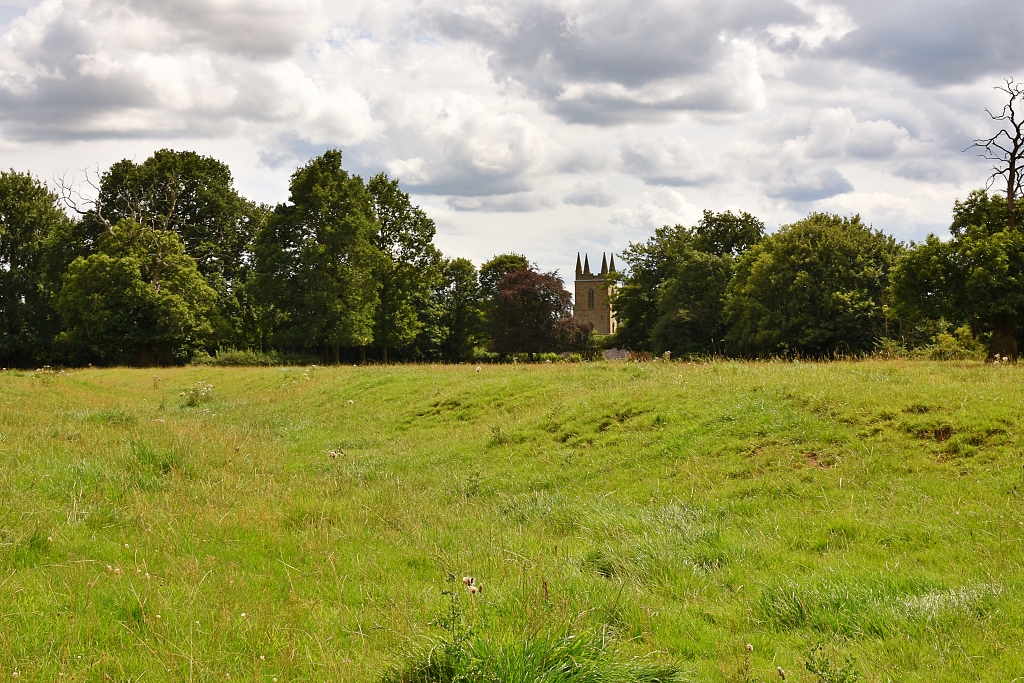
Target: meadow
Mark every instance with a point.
(863, 520)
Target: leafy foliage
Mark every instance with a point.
(139, 295)
(458, 299)
(533, 313)
(673, 298)
(976, 277)
(408, 267)
(816, 287)
(30, 218)
(316, 259)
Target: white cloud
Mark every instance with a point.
(663, 206)
(591, 193)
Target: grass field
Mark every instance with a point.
(301, 524)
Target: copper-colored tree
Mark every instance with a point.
(1005, 149)
(532, 314)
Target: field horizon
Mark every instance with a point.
(316, 523)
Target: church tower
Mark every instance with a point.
(591, 302)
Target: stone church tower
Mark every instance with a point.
(591, 301)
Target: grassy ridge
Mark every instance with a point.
(300, 524)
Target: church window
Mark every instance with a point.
(590, 299)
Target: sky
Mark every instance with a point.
(543, 128)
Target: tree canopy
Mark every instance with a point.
(673, 297)
(977, 277)
(33, 229)
(533, 314)
(316, 259)
(139, 298)
(816, 287)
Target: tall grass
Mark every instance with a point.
(626, 521)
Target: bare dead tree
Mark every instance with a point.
(77, 201)
(1005, 149)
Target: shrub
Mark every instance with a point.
(961, 345)
(239, 357)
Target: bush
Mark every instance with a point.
(960, 345)
(236, 357)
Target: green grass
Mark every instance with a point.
(303, 523)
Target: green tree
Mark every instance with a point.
(691, 300)
(410, 265)
(30, 218)
(194, 196)
(638, 288)
(491, 273)
(139, 295)
(461, 309)
(976, 277)
(316, 259)
(673, 296)
(817, 287)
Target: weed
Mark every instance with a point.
(197, 394)
(821, 664)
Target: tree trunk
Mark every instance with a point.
(1004, 340)
(327, 353)
(337, 354)
(384, 353)
(362, 355)
(164, 355)
(143, 356)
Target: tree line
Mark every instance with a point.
(830, 285)
(165, 261)
(824, 286)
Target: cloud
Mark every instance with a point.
(656, 208)
(590, 193)
(592, 116)
(808, 185)
(110, 69)
(674, 162)
(836, 133)
(934, 42)
(604, 62)
(518, 202)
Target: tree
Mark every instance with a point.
(408, 268)
(461, 309)
(533, 313)
(673, 297)
(30, 216)
(816, 287)
(139, 295)
(691, 300)
(1005, 149)
(316, 259)
(193, 196)
(637, 292)
(494, 270)
(976, 277)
